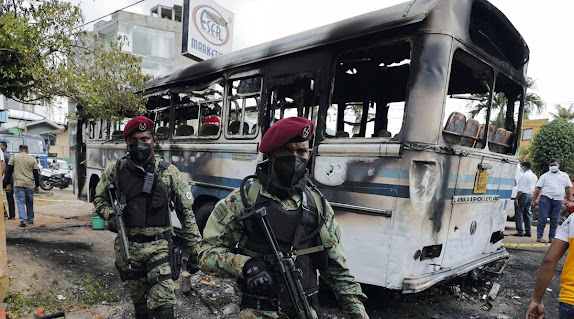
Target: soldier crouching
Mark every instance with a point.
(149, 188)
(301, 220)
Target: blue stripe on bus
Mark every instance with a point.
(197, 191)
(223, 181)
(403, 191)
(492, 180)
(358, 170)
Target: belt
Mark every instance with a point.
(146, 239)
(265, 304)
(259, 303)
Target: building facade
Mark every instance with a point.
(155, 38)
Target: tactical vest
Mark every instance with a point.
(298, 231)
(143, 209)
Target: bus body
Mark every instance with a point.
(418, 109)
(36, 146)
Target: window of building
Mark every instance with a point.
(156, 66)
(467, 101)
(369, 93)
(527, 134)
(198, 111)
(146, 41)
(503, 128)
(244, 100)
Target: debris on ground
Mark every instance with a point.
(494, 291)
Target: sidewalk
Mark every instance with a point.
(56, 207)
(515, 241)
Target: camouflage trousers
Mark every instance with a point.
(140, 290)
(249, 313)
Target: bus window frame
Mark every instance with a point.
(227, 104)
(496, 71)
(515, 146)
(398, 138)
(282, 80)
(197, 87)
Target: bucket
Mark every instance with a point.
(97, 223)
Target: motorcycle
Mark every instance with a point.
(55, 177)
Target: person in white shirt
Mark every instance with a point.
(524, 188)
(553, 186)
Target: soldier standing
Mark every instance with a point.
(302, 220)
(150, 188)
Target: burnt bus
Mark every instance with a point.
(412, 146)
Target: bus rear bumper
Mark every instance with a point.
(420, 283)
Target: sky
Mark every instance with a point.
(543, 24)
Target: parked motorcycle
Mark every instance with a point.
(55, 176)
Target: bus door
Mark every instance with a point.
(483, 133)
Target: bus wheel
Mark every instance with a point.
(202, 214)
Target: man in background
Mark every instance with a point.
(553, 186)
(9, 191)
(525, 187)
(24, 169)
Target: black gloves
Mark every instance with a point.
(192, 264)
(257, 276)
(112, 225)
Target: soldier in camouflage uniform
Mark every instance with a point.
(150, 277)
(302, 220)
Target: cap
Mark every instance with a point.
(287, 130)
(138, 124)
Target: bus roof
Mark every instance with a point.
(448, 15)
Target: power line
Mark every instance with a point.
(109, 14)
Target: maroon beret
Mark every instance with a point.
(291, 129)
(138, 124)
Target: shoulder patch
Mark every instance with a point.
(220, 212)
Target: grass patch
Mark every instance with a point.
(95, 292)
(88, 292)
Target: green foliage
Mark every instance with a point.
(554, 140)
(44, 53)
(532, 104)
(563, 112)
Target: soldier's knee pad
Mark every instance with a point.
(164, 312)
(142, 311)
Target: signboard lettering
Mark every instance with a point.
(475, 199)
(207, 30)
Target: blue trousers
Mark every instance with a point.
(548, 207)
(25, 200)
(522, 214)
(566, 311)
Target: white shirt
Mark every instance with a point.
(527, 183)
(554, 185)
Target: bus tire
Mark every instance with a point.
(202, 214)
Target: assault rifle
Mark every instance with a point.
(118, 208)
(291, 294)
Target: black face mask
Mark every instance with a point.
(140, 152)
(289, 169)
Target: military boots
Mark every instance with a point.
(142, 311)
(164, 312)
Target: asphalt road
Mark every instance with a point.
(62, 246)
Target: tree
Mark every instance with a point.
(554, 140)
(563, 112)
(532, 104)
(44, 53)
